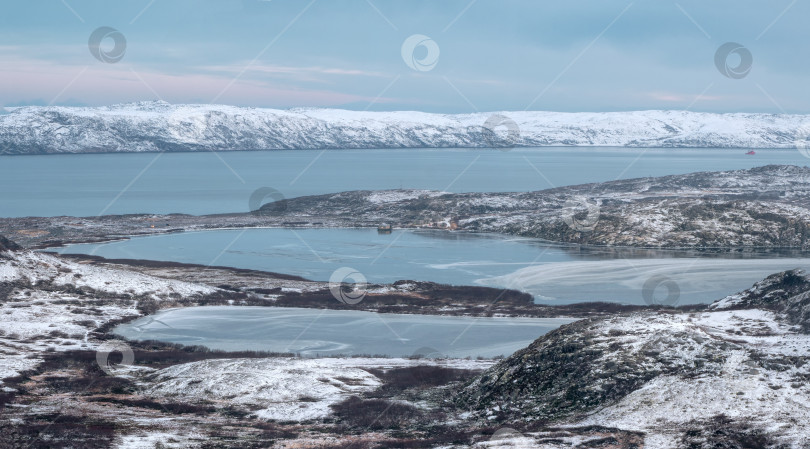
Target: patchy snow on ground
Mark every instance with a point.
(665, 405)
(48, 321)
(34, 320)
(34, 267)
(281, 389)
(392, 196)
(151, 440)
(755, 383)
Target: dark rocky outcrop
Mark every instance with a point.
(582, 366)
(786, 293)
(8, 245)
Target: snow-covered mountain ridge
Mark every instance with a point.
(160, 126)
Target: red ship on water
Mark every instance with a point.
(751, 152)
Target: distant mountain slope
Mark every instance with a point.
(159, 126)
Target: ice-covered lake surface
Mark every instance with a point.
(210, 183)
(311, 332)
(555, 274)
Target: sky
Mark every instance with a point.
(451, 56)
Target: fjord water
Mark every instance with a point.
(311, 332)
(210, 183)
(553, 273)
(203, 183)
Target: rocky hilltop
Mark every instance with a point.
(762, 207)
(734, 374)
(786, 293)
(765, 206)
(159, 126)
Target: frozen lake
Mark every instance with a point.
(555, 274)
(311, 332)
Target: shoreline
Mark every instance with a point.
(702, 249)
(421, 148)
(764, 208)
(250, 287)
(549, 323)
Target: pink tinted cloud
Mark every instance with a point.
(102, 84)
(310, 73)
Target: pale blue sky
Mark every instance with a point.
(595, 55)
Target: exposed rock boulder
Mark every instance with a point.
(8, 245)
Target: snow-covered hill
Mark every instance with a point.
(731, 375)
(159, 126)
(52, 304)
(673, 376)
(282, 388)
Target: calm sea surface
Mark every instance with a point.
(203, 183)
